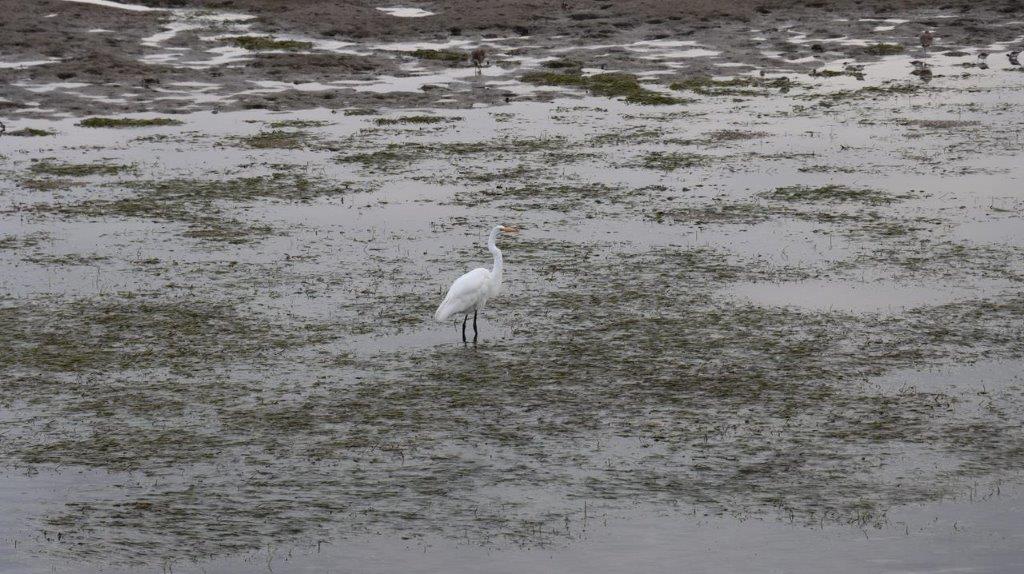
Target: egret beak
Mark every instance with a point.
(509, 229)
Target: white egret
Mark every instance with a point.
(471, 292)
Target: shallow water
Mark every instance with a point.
(755, 330)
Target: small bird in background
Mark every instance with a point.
(926, 39)
(981, 60)
(1013, 56)
(478, 57)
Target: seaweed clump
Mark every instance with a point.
(449, 56)
(76, 169)
(732, 87)
(412, 120)
(32, 132)
(884, 49)
(255, 43)
(128, 122)
(612, 85)
(832, 194)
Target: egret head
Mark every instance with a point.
(509, 229)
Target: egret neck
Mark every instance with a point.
(496, 270)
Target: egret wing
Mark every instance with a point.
(464, 294)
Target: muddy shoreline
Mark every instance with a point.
(84, 59)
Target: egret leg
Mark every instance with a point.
(464, 319)
(475, 334)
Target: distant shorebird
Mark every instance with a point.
(1013, 57)
(478, 57)
(926, 39)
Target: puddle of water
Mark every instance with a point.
(406, 12)
(109, 4)
(978, 537)
(828, 295)
(27, 64)
(1004, 231)
(43, 88)
(991, 375)
(691, 53)
(887, 20)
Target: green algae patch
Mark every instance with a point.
(275, 139)
(883, 49)
(397, 157)
(832, 194)
(128, 122)
(300, 124)
(612, 85)
(263, 43)
(732, 87)
(31, 132)
(671, 161)
(719, 213)
(867, 92)
(719, 136)
(198, 203)
(47, 167)
(562, 64)
(556, 197)
(124, 333)
(939, 124)
(449, 56)
(415, 120)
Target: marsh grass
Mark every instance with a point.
(31, 132)
(415, 120)
(399, 157)
(732, 87)
(833, 194)
(612, 85)
(128, 122)
(258, 43)
(671, 161)
(449, 56)
(49, 167)
(199, 203)
(883, 49)
(276, 139)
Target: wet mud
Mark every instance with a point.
(768, 285)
